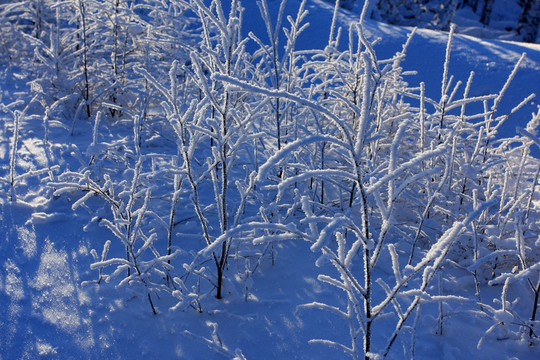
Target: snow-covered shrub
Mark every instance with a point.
(32, 17)
(280, 70)
(370, 168)
(87, 48)
(221, 155)
(511, 255)
(121, 180)
(17, 175)
(124, 35)
(213, 127)
(11, 41)
(216, 343)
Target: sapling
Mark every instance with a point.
(18, 117)
(128, 203)
(187, 142)
(215, 343)
(490, 132)
(81, 8)
(222, 116)
(177, 185)
(272, 53)
(104, 255)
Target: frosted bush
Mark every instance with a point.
(221, 153)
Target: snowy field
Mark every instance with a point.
(315, 184)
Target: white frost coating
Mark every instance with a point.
(521, 276)
(366, 101)
(410, 293)
(451, 235)
(333, 344)
(113, 261)
(275, 159)
(56, 295)
(454, 298)
(395, 263)
(240, 228)
(332, 281)
(94, 150)
(313, 228)
(82, 200)
(321, 306)
(356, 247)
(323, 174)
(323, 259)
(507, 84)
(502, 316)
(529, 135)
(105, 251)
(147, 243)
(33, 173)
(405, 166)
(287, 95)
(329, 231)
(489, 257)
(446, 63)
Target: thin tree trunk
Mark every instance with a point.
(472, 3)
(529, 20)
(535, 306)
(486, 12)
(82, 11)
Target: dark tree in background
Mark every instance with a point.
(529, 20)
(346, 4)
(473, 4)
(486, 12)
(434, 14)
(438, 14)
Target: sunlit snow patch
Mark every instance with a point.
(27, 241)
(45, 349)
(14, 285)
(57, 298)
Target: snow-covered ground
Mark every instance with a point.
(45, 247)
